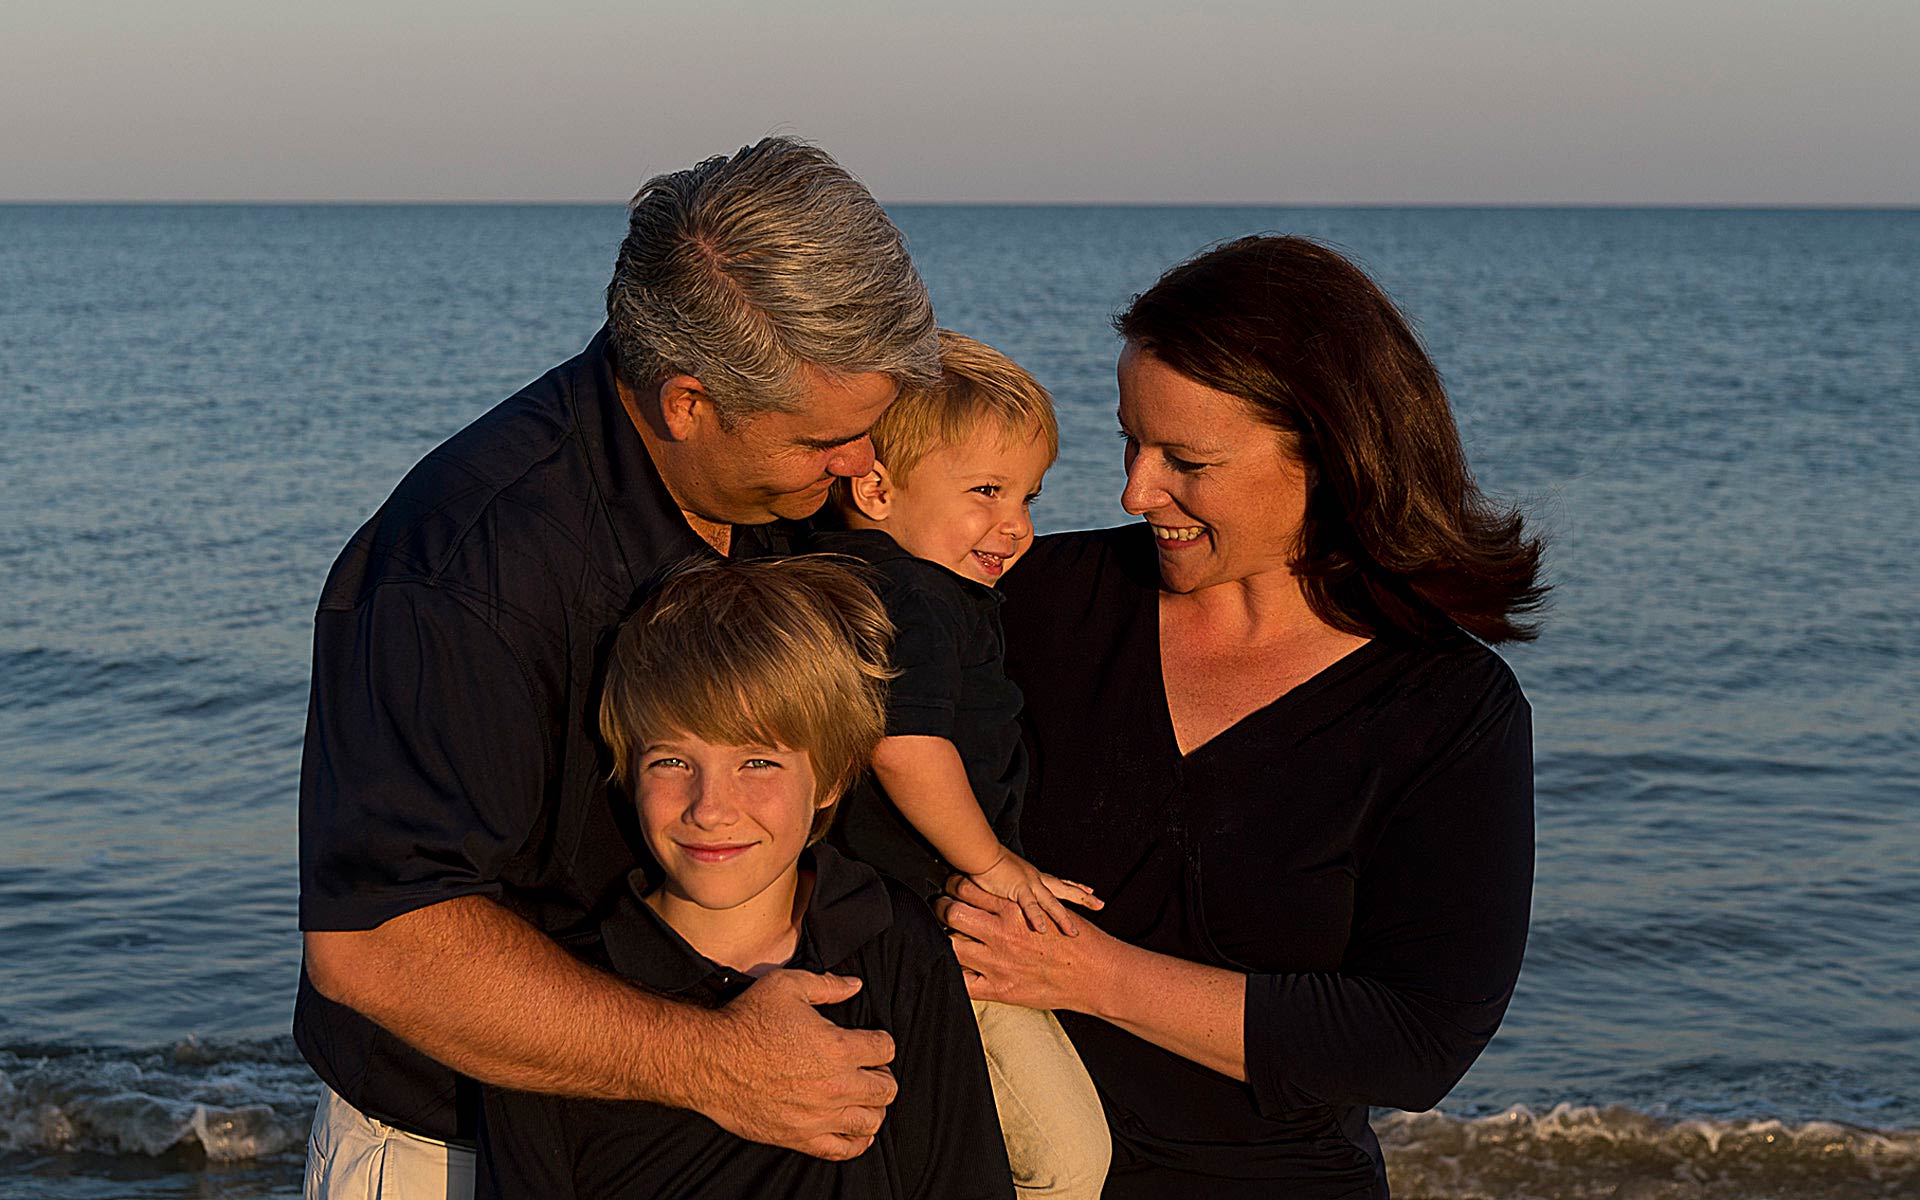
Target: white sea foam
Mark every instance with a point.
(229, 1103)
(1577, 1152)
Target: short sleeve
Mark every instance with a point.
(946, 1129)
(1440, 924)
(424, 764)
(927, 633)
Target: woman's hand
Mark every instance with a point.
(1037, 893)
(1004, 959)
(1195, 1010)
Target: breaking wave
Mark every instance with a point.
(230, 1102)
(1577, 1152)
(237, 1102)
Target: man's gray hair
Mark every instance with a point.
(743, 268)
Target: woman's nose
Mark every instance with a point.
(1143, 492)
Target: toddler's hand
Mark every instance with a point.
(1037, 893)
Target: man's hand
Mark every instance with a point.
(472, 985)
(775, 1071)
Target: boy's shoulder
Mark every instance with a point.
(861, 919)
(905, 584)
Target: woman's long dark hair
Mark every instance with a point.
(1397, 534)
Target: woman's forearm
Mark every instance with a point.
(1190, 1008)
(1194, 1010)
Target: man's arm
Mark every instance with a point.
(480, 990)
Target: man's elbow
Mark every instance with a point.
(343, 966)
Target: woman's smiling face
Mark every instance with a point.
(1221, 489)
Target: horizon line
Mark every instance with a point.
(1667, 205)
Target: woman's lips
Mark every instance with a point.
(716, 852)
(1177, 537)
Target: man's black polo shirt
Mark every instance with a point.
(451, 746)
(941, 1137)
(950, 653)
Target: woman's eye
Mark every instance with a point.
(1127, 438)
(1184, 466)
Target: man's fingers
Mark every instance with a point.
(859, 1122)
(874, 1088)
(823, 989)
(835, 1147)
(869, 1049)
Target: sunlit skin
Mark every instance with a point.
(1220, 488)
(727, 825)
(966, 505)
(773, 465)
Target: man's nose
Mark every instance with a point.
(852, 460)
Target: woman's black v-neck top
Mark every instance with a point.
(1361, 848)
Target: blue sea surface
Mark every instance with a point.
(1714, 415)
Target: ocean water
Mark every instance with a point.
(1714, 415)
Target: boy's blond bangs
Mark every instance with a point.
(977, 384)
(779, 652)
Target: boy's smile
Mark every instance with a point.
(966, 504)
(727, 825)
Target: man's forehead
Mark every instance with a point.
(837, 408)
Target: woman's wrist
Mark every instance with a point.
(1092, 981)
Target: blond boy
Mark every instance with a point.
(941, 518)
(740, 701)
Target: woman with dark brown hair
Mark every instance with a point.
(1267, 729)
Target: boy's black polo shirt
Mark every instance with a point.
(941, 1137)
(451, 746)
(950, 653)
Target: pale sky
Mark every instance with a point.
(1220, 101)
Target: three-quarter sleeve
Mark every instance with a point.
(1439, 927)
(425, 759)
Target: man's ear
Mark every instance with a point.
(873, 493)
(684, 406)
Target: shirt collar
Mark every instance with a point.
(849, 908)
(875, 546)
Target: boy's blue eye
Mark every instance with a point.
(668, 761)
(760, 762)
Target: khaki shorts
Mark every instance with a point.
(351, 1156)
(1050, 1114)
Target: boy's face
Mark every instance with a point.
(966, 505)
(724, 822)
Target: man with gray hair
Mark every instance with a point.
(456, 833)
